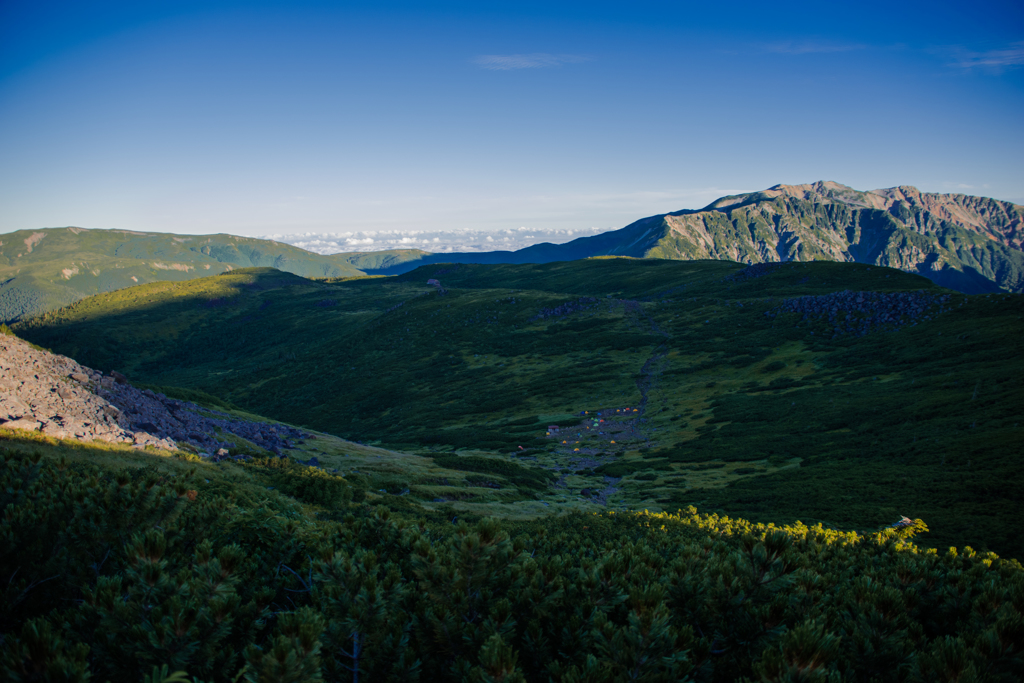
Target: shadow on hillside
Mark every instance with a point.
(968, 281)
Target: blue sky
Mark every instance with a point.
(263, 118)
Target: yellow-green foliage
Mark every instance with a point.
(141, 571)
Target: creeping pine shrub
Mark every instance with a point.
(619, 468)
(122, 576)
(308, 484)
(525, 477)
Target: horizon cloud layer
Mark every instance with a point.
(434, 241)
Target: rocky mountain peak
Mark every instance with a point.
(972, 244)
(823, 188)
(899, 193)
(818, 192)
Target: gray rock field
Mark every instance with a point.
(52, 394)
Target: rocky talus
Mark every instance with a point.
(52, 394)
(859, 313)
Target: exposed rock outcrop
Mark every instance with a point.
(46, 392)
(858, 313)
(568, 308)
(972, 244)
(54, 394)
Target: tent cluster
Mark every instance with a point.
(621, 411)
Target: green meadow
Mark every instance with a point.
(669, 384)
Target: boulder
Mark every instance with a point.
(79, 377)
(55, 430)
(23, 423)
(13, 407)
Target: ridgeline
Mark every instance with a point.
(969, 244)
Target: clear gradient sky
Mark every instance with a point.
(260, 118)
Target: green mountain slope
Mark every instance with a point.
(830, 392)
(374, 261)
(43, 269)
(971, 244)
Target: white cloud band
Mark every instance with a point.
(430, 240)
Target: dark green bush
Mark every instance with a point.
(620, 468)
(132, 575)
(309, 484)
(516, 474)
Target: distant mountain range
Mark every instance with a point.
(971, 244)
